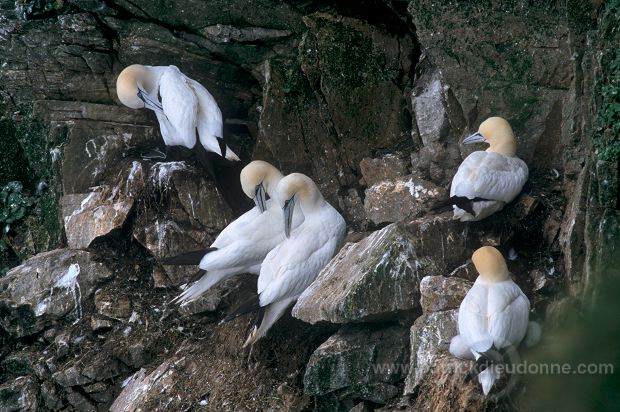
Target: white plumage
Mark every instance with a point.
(493, 315)
(294, 264)
(488, 175)
(489, 178)
(186, 108)
(244, 243)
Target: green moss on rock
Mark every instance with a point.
(14, 164)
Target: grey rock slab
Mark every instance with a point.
(430, 336)
(372, 278)
(48, 287)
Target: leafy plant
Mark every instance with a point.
(13, 204)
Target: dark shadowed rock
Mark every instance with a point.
(359, 361)
(46, 288)
(442, 293)
(112, 305)
(20, 395)
(520, 72)
(342, 89)
(185, 215)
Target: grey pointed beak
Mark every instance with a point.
(149, 102)
(474, 138)
(260, 197)
(289, 207)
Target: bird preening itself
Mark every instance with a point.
(294, 264)
(190, 122)
(244, 243)
(185, 111)
(493, 316)
(487, 180)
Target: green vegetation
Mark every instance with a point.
(13, 204)
(608, 132)
(33, 216)
(349, 59)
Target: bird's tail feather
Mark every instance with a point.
(189, 258)
(206, 280)
(273, 312)
(484, 361)
(487, 378)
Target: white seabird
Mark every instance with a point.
(493, 315)
(244, 243)
(487, 180)
(294, 264)
(186, 108)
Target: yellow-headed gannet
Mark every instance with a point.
(244, 243)
(294, 264)
(486, 181)
(493, 315)
(186, 109)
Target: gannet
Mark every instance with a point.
(487, 180)
(493, 315)
(294, 264)
(244, 243)
(186, 108)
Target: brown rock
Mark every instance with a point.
(388, 167)
(95, 217)
(430, 336)
(444, 387)
(113, 305)
(441, 293)
(395, 200)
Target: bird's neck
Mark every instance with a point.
(505, 145)
(149, 81)
(271, 184)
(311, 203)
(495, 276)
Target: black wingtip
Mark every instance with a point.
(461, 202)
(189, 258)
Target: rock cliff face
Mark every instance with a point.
(371, 99)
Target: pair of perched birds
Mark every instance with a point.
(287, 246)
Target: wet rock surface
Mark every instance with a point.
(372, 101)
